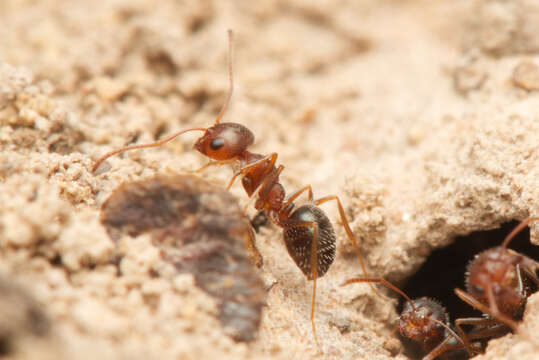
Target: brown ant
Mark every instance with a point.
(423, 320)
(496, 283)
(308, 233)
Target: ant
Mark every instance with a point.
(308, 233)
(497, 283)
(423, 320)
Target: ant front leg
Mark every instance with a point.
(529, 273)
(348, 232)
(474, 321)
(245, 170)
(485, 328)
(491, 309)
(213, 163)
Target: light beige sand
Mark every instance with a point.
(408, 110)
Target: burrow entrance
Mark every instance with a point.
(445, 269)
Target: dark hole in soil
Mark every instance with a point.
(5, 346)
(445, 269)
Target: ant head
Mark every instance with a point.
(495, 270)
(224, 141)
(423, 319)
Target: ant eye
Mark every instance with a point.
(217, 143)
(479, 289)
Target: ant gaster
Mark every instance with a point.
(496, 283)
(308, 233)
(424, 321)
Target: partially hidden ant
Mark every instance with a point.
(498, 283)
(308, 232)
(424, 321)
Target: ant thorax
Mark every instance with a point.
(418, 325)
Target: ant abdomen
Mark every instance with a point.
(224, 141)
(299, 239)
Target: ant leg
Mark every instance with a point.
(518, 229)
(529, 273)
(475, 322)
(250, 246)
(383, 282)
(348, 232)
(141, 146)
(440, 349)
(213, 163)
(244, 170)
(314, 267)
(494, 312)
(297, 193)
(494, 329)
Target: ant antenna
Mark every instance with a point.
(383, 282)
(518, 229)
(141, 146)
(453, 333)
(230, 76)
(172, 136)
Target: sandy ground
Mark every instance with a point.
(420, 115)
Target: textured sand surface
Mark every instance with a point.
(420, 114)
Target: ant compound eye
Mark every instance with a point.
(217, 143)
(478, 289)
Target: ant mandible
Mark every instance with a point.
(495, 283)
(308, 232)
(424, 321)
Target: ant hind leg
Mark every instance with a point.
(349, 232)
